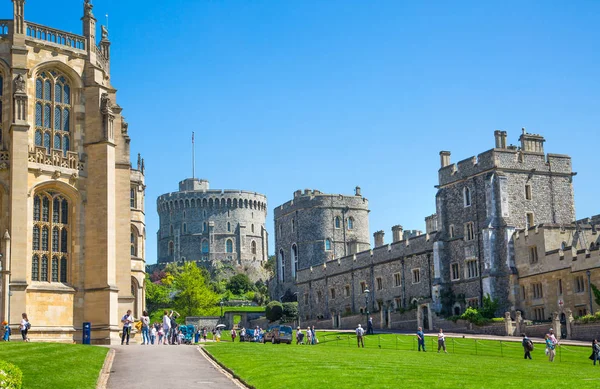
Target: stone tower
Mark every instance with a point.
(315, 227)
(222, 230)
(481, 201)
(72, 205)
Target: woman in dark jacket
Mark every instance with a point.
(595, 352)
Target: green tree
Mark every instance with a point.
(240, 284)
(290, 312)
(270, 265)
(274, 311)
(193, 295)
(157, 295)
(490, 306)
(596, 293)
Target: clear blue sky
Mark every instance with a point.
(331, 94)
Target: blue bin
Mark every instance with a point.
(87, 333)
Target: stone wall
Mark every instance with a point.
(209, 322)
(585, 332)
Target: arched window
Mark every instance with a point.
(350, 223)
(294, 256)
(467, 196)
(53, 112)
(253, 247)
(50, 241)
(171, 248)
(229, 246)
(328, 244)
(337, 222)
(281, 267)
(563, 246)
(134, 241)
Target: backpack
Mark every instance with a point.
(529, 345)
(28, 326)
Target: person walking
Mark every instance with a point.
(24, 327)
(145, 328)
(205, 334)
(550, 348)
(314, 335)
(421, 339)
(161, 334)
(299, 336)
(360, 332)
(595, 352)
(166, 327)
(127, 321)
(233, 335)
(6, 336)
(370, 326)
(527, 346)
(173, 316)
(441, 341)
(153, 335)
(308, 336)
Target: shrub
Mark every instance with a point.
(274, 311)
(490, 306)
(290, 312)
(11, 376)
(472, 315)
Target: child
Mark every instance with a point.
(161, 334)
(153, 335)
(6, 337)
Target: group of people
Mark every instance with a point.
(311, 336)
(550, 341)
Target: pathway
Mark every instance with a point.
(137, 366)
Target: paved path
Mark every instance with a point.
(137, 366)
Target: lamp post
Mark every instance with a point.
(589, 275)
(221, 304)
(367, 305)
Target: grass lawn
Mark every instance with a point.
(388, 361)
(51, 365)
(244, 309)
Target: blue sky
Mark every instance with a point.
(330, 94)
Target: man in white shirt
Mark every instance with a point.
(360, 332)
(127, 321)
(166, 326)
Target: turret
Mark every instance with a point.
(397, 233)
(444, 158)
(379, 238)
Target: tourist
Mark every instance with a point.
(421, 339)
(314, 335)
(233, 335)
(595, 352)
(153, 335)
(173, 316)
(527, 346)
(180, 337)
(370, 326)
(359, 336)
(550, 348)
(299, 336)
(308, 336)
(218, 335)
(441, 341)
(205, 333)
(243, 334)
(166, 326)
(145, 328)
(127, 321)
(24, 327)
(6, 337)
(553, 338)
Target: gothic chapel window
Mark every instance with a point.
(52, 112)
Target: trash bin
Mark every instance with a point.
(87, 333)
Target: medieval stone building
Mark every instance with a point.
(467, 252)
(71, 204)
(222, 230)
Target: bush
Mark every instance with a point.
(274, 311)
(290, 312)
(490, 306)
(11, 376)
(472, 315)
(240, 284)
(588, 318)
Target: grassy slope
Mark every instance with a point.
(49, 365)
(340, 364)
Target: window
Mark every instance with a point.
(467, 197)
(533, 254)
(416, 276)
(563, 246)
(398, 302)
(537, 291)
(327, 244)
(171, 248)
(538, 313)
(171, 230)
(469, 231)
(473, 302)
(293, 223)
(472, 269)
(52, 112)
(579, 284)
(253, 247)
(50, 222)
(280, 230)
(524, 292)
(451, 231)
(363, 286)
(581, 311)
(397, 280)
(560, 290)
(252, 228)
(455, 271)
(281, 266)
(134, 241)
(204, 247)
(337, 222)
(319, 296)
(530, 220)
(294, 256)
(350, 223)
(132, 198)
(229, 246)
(184, 228)
(379, 283)
(527, 192)
(228, 227)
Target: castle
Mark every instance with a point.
(72, 205)
(222, 230)
(472, 246)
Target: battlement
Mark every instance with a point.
(315, 198)
(529, 157)
(212, 198)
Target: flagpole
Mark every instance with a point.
(193, 157)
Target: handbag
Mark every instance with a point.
(547, 351)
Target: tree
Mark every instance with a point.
(596, 293)
(490, 306)
(193, 296)
(274, 311)
(270, 265)
(157, 295)
(290, 312)
(240, 284)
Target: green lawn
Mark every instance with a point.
(244, 309)
(51, 365)
(388, 361)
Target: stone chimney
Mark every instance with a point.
(397, 233)
(357, 191)
(503, 139)
(445, 158)
(532, 143)
(379, 238)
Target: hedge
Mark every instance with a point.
(11, 376)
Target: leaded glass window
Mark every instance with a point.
(50, 237)
(52, 112)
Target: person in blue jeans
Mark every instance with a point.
(145, 328)
(421, 339)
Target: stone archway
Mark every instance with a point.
(424, 317)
